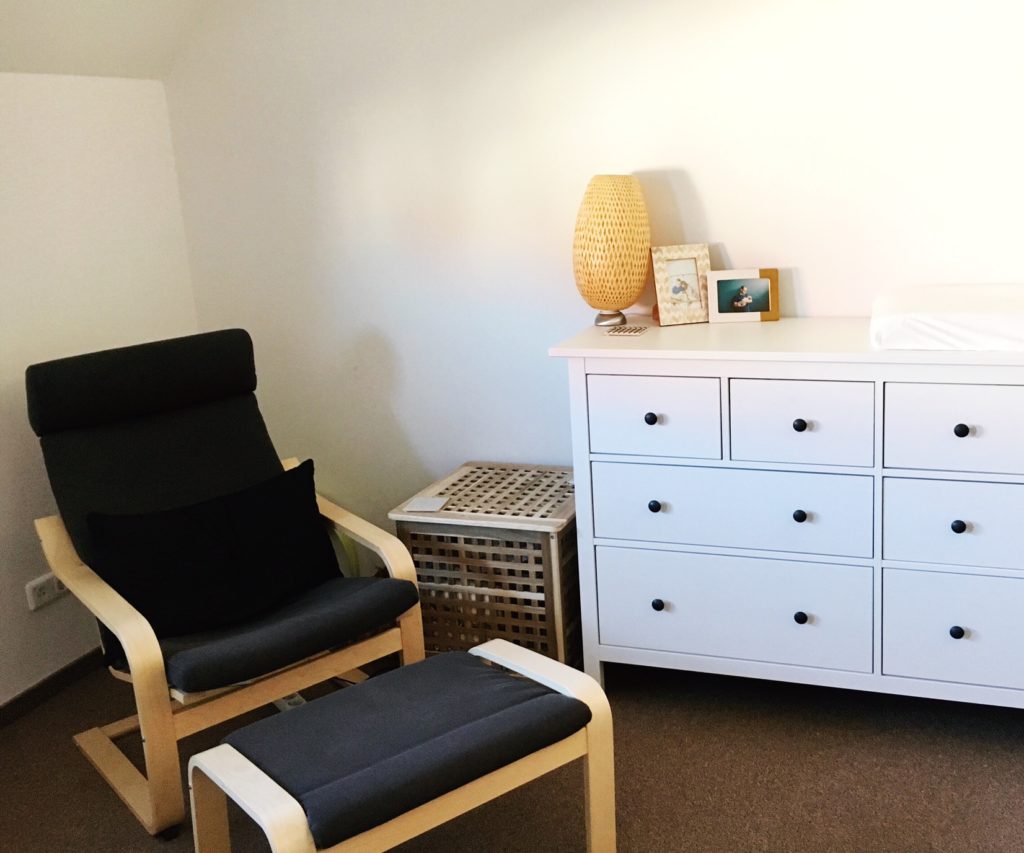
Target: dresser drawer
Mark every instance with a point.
(655, 416)
(918, 519)
(920, 609)
(817, 423)
(734, 508)
(736, 607)
(954, 427)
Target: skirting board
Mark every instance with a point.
(49, 686)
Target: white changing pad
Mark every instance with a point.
(950, 317)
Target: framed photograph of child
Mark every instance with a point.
(743, 296)
(680, 280)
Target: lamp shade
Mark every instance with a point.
(611, 249)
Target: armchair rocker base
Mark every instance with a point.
(140, 793)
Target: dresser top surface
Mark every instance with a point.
(841, 339)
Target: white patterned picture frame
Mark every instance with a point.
(681, 283)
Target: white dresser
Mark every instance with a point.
(778, 500)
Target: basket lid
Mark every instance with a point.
(496, 494)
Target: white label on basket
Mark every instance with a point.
(427, 503)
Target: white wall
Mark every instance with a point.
(384, 192)
(92, 255)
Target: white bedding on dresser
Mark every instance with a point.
(950, 317)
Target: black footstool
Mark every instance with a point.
(373, 765)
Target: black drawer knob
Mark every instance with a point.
(799, 424)
(958, 526)
(957, 633)
(799, 516)
(654, 506)
(658, 605)
(650, 419)
(800, 617)
(961, 430)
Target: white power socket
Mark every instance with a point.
(44, 589)
(287, 703)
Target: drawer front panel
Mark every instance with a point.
(816, 423)
(685, 414)
(920, 608)
(734, 508)
(736, 607)
(920, 424)
(919, 517)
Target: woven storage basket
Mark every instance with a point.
(611, 246)
(498, 560)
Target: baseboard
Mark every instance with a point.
(49, 686)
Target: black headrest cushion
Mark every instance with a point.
(132, 382)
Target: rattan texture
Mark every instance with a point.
(612, 243)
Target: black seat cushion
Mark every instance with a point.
(327, 616)
(218, 562)
(366, 754)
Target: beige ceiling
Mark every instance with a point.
(104, 38)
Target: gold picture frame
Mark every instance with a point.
(681, 283)
(743, 296)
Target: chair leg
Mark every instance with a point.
(411, 626)
(222, 772)
(156, 798)
(209, 814)
(599, 784)
(156, 801)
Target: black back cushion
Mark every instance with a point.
(150, 427)
(221, 561)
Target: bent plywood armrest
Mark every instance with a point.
(102, 600)
(387, 546)
(397, 561)
(158, 801)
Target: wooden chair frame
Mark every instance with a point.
(224, 772)
(166, 716)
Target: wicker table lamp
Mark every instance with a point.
(611, 249)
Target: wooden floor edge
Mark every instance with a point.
(49, 687)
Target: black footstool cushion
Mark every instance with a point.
(366, 754)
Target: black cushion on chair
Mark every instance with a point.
(122, 384)
(149, 427)
(220, 561)
(366, 754)
(327, 616)
(105, 453)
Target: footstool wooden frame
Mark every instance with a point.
(224, 772)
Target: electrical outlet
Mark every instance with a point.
(288, 703)
(42, 590)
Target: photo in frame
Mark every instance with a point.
(743, 296)
(681, 284)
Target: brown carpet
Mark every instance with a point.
(704, 763)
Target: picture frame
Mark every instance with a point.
(680, 282)
(743, 296)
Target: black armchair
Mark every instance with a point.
(205, 559)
